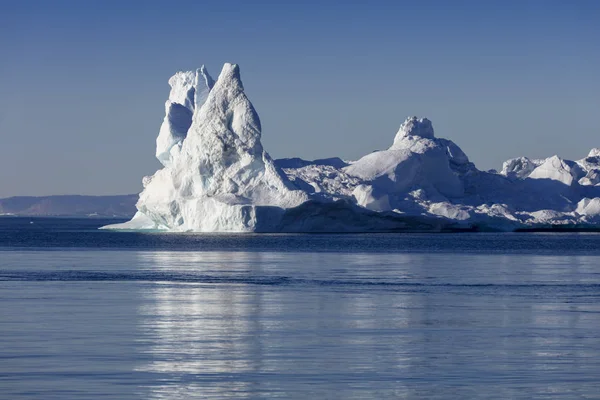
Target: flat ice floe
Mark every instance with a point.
(216, 177)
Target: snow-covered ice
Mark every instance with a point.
(216, 177)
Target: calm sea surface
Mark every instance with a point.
(89, 314)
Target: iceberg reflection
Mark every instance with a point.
(258, 324)
(234, 339)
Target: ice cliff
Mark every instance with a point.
(216, 177)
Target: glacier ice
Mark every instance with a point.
(216, 177)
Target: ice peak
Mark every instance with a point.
(414, 126)
(182, 89)
(227, 116)
(594, 152)
(230, 77)
(203, 84)
(202, 72)
(189, 91)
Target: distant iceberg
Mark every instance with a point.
(216, 177)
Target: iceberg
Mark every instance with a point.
(217, 177)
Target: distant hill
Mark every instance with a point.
(70, 205)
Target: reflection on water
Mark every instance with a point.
(320, 325)
(178, 325)
(89, 314)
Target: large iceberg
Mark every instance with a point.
(216, 177)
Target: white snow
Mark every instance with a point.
(556, 169)
(589, 207)
(216, 177)
(138, 222)
(520, 167)
(412, 162)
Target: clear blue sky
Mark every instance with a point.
(83, 83)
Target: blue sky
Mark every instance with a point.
(83, 83)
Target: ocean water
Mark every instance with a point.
(89, 314)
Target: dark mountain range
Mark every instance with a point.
(70, 205)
